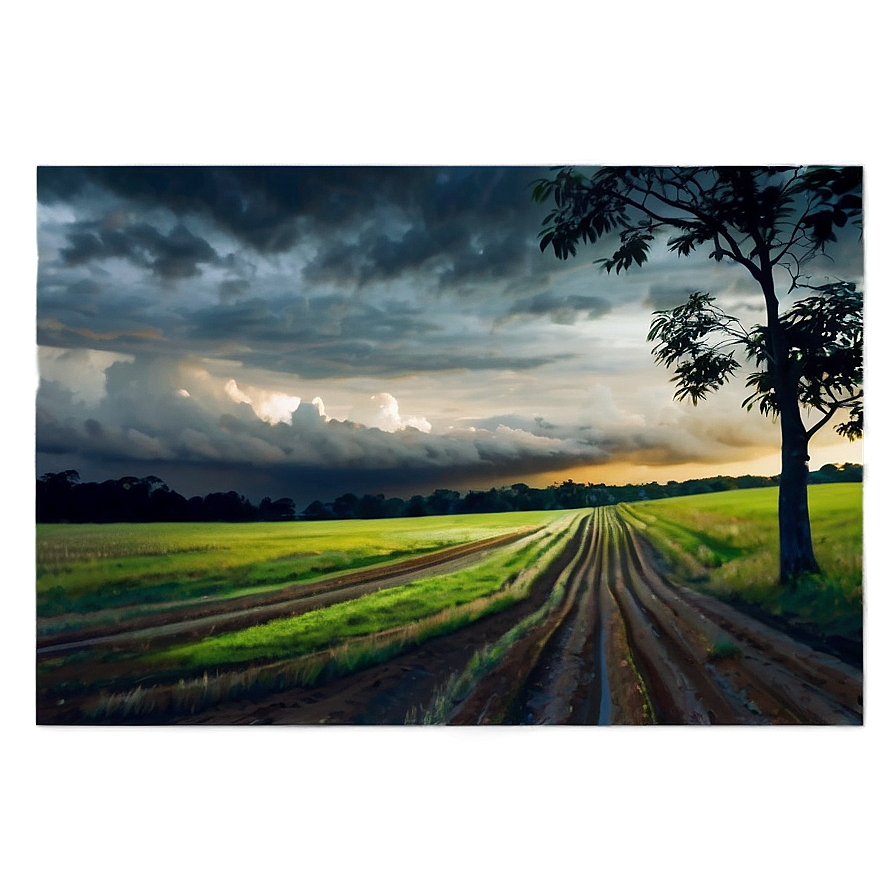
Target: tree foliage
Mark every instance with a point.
(773, 222)
(775, 215)
(824, 337)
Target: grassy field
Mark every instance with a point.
(329, 641)
(88, 568)
(726, 544)
(387, 609)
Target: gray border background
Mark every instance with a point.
(442, 811)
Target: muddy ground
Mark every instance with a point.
(623, 647)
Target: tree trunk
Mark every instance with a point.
(794, 532)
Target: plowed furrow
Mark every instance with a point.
(624, 698)
(677, 692)
(774, 677)
(687, 641)
(570, 657)
(503, 694)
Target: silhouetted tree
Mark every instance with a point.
(346, 506)
(227, 507)
(276, 511)
(773, 222)
(316, 511)
(415, 506)
(54, 495)
(442, 501)
(371, 507)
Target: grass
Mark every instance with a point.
(723, 650)
(276, 656)
(90, 568)
(459, 686)
(726, 544)
(388, 609)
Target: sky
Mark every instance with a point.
(308, 331)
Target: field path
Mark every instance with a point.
(603, 638)
(690, 659)
(624, 646)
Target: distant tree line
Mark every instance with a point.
(565, 495)
(62, 497)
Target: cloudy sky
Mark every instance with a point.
(308, 331)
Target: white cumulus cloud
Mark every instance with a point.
(272, 407)
(389, 418)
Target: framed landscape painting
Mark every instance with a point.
(449, 445)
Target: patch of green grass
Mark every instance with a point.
(726, 543)
(391, 608)
(723, 650)
(88, 568)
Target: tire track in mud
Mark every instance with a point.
(568, 655)
(575, 667)
(630, 648)
(494, 698)
(607, 663)
(669, 654)
(777, 678)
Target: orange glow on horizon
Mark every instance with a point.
(623, 473)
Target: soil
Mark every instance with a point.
(624, 646)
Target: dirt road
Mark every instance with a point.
(622, 647)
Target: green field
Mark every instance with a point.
(387, 609)
(726, 544)
(723, 544)
(88, 568)
(331, 640)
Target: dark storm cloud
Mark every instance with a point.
(153, 410)
(317, 324)
(461, 226)
(663, 295)
(157, 416)
(260, 205)
(175, 254)
(491, 258)
(331, 336)
(84, 289)
(376, 257)
(232, 289)
(344, 358)
(560, 309)
(249, 320)
(257, 205)
(325, 336)
(465, 222)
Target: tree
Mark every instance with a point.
(54, 496)
(773, 222)
(316, 511)
(345, 507)
(275, 511)
(415, 506)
